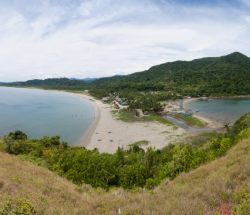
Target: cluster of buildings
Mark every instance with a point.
(117, 102)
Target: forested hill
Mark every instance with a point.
(51, 83)
(226, 75)
(212, 76)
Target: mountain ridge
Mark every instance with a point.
(208, 76)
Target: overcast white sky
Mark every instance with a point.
(95, 38)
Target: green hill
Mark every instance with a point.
(216, 76)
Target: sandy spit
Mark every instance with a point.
(107, 133)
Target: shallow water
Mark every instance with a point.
(223, 110)
(45, 113)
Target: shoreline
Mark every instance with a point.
(229, 97)
(211, 123)
(81, 142)
(106, 133)
(85, 138)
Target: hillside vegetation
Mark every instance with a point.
(214, 76)
(221, 186)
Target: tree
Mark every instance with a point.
(17, 135)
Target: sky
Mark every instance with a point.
(98, 38)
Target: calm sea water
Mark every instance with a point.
(224, 110)
(45, 113)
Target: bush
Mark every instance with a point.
(151, 183)
(17, 207)
(17, 135)
(132, 176)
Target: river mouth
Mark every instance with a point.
(45, 113)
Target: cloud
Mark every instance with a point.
(95, 38)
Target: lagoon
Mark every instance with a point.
(41, 113)
(223, 110)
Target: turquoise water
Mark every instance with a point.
(224, 110)
(45, 113)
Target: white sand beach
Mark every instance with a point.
(108, 133)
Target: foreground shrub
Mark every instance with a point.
(17, 207)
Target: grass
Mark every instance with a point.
(157, 118)
(129, 116)
(140, 143)
(1, 145)
(191, 121)
(126, 116)
(222, 185)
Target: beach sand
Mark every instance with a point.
(107, 133)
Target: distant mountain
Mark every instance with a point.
(226, 75)
(50, 83)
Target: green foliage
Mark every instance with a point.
(133, 175)
(127, 116)
(217, 76)
(128, 168)
(17, 135)
(190, 120)
(146, 102)
(141, 143)
(130, 116)
(157, 118)
(17, 207)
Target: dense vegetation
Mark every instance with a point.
(130, 168)
(214, 76)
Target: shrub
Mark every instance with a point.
(17, 207)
